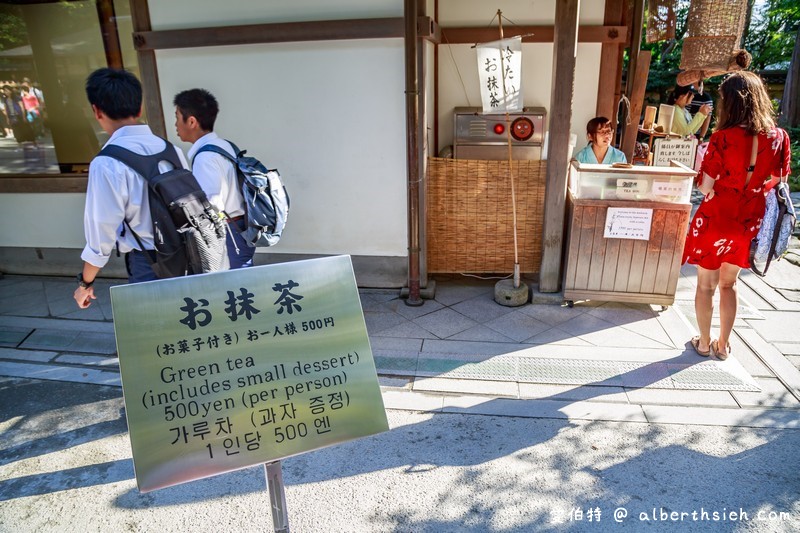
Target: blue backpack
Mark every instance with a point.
(266, 202)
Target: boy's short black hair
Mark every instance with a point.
(115, 92)
(200, 104)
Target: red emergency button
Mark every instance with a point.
(499, 128)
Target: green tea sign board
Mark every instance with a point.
(231, 369)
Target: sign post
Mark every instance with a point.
(277, 496)
(227, 370)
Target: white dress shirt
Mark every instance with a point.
(217, 175)
(116, 193)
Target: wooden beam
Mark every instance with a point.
(637, 102)
(561, 94)
(534, 34)
(321, 30)
(608, 87)
(378, 28)
(148, 70)
(38, 183)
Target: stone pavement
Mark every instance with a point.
(601, 413)
(595, 361)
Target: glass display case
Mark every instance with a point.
(671, 184)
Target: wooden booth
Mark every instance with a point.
(627, 227)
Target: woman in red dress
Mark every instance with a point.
(719, 236)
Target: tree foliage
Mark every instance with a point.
(771, 35)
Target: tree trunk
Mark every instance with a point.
(790, 103)
(747, 19)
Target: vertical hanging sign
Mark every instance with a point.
(499, 64)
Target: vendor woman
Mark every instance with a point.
(683, 123)
(599, 150)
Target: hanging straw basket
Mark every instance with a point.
(470, 226)
(711, 46)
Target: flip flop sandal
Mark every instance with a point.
(696, 345)
(720, 355)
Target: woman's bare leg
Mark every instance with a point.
(728, 302)
(707, 281)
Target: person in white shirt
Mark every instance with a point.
(196, 112)
(115, 193)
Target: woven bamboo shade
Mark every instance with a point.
(711, 46)
(469, 218)
(660, 20)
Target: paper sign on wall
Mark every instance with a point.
(628, 223)
(230, 369)
(666, 150)
(499, 61)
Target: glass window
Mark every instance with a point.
(47, 49)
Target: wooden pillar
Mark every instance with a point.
(634, 71)
(637, 102)
(108, 30)
(609, 83)
(412, 151)
(565, 46)
(140, 13)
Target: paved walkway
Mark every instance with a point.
(461, 352)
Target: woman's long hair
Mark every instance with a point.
(745, 102)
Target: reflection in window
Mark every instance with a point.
(47, 49)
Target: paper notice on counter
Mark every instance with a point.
(628, 223)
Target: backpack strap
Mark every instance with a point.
(218, 150)
(146, 165)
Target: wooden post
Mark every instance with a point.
(140, 13)
(412, 152)
(609, 83)
(561, 93)
(637, 101)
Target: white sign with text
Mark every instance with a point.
(628, 223)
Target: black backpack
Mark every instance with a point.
(266, 202)
(189, 233)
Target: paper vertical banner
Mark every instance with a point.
(500, 60)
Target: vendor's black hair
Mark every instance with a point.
(679, 91)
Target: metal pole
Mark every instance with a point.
(277, 496)
(412, 152)
(510, 169)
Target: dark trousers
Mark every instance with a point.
(244, 257)
(139, 266)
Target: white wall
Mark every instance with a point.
(458, 72)
(42, 220)
(329, 115)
